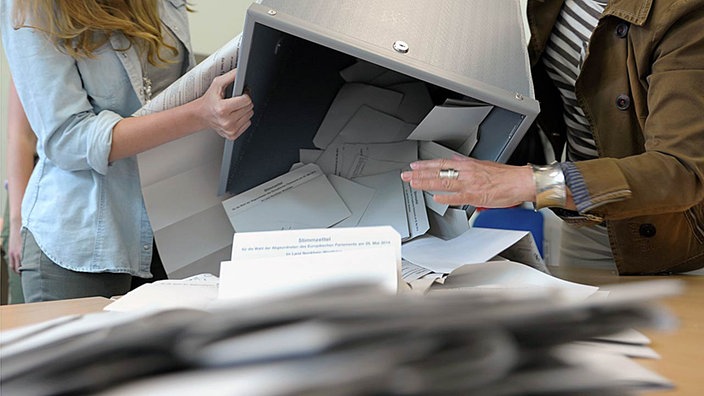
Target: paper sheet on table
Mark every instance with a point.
(388, 207)
(168, 294)
(477, 245)
(630, 350)
(356, 197)
(501, 275)
(629, 372)
(349, 99)
(290, 262)
(302, 198)
(454, 127)
(630, 336)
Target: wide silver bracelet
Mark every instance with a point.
(550, 188)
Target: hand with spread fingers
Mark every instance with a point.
(468, 181)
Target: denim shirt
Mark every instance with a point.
(86, 214)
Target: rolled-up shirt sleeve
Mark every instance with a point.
(72, 132)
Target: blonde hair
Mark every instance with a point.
(79, 27)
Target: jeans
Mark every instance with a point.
(43, 280)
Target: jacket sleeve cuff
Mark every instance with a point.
(578, 188)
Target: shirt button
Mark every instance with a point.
(647, 230)
(146, 247)
(622, 30)
(623, 102)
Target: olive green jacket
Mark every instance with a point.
(642, 90)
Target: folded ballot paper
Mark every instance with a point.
(354, 339)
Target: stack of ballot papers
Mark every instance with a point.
(378, 123)
(353, 340)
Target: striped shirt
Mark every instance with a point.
(563, 59)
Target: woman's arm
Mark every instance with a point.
(229, 117)
(21, 143)
(479, 183)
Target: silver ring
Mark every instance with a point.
(449, 174)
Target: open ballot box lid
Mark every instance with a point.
(296, 56)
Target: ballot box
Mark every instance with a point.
(305, 62)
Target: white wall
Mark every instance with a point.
(215, 22)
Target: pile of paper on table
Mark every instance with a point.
(355, 340)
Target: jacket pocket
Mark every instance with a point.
(695, 217)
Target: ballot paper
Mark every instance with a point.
(295, 262)
(376, 158)
(476, 245)
(373, 74)
(388, 207)
(454, 126)
(302, 198)
(179, 184)
(356, 196)
(196, 81)
(450, 225)
(195, 292)
(504, 275)
(179, 178)
(348, 101)
(369, 125)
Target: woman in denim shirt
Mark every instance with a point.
(81, 69)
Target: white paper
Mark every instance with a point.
(630, 350)
(477, 245)
(416, 103)
(411, 272)
(450, 225)
(349, 99)
(512, 275)
(179, 185)
(388, 156)
(433, 205)
(168, 294)
(303, 198)
(193, 84)
(369, 125)
(388, 207)
(356, 197)
(416, 214)
(308, 156)
(452, 126)
(179, 178)
(291, 262)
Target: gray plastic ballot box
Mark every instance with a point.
(292, 53)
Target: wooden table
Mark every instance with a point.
(682, 351)
(24, 314)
